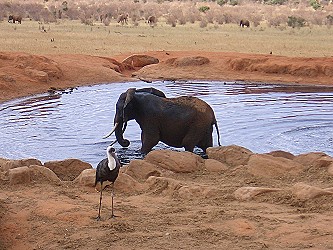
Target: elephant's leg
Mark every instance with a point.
(189, 141)
(189, 148)
(201, 137)
(206, 143)
(149, 140)
(207, 140)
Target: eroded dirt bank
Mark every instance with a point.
(23, 74)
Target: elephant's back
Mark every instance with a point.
(193, 103)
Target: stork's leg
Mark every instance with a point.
(112, 195)
(100, 204)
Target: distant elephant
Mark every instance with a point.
(122, 18)
(151, 20)
(13, 19)
(244, 22)
(179, 122)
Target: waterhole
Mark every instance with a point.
(260, 117)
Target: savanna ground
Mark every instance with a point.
(45, 216)
(71, 37)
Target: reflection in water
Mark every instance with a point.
(260, 117)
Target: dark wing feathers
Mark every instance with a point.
(103, 172)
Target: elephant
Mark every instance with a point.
(178, 122)
(13, 19)
(151, 20)
(244, 22)
(122, 18)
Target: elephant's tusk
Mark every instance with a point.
(113, 143)
(109, 134)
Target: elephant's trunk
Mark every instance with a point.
(119, 135)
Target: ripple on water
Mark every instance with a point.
(259, 117)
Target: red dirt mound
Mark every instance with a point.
(187, 61)
(23, 74)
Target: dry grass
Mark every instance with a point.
(181, 26)
(73, 37)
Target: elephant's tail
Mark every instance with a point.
(218, 133)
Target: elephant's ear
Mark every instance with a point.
(129, 96)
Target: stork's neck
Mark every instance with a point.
(111, 162)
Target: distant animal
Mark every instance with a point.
(106, 173)
(151, 20)
(13, 19)
(102, 17)
(122, 18)
(178, 122)
(244, 22)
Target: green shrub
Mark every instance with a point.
(296, 22)
(204, 9)
(315, 5)
(275, 2)
(221, 2)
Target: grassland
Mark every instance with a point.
(73, 37)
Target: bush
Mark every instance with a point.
(275, 2)
(295, 22)
(276, 21)
(275, 12)
(191, 18)
(233, 2)
(256, 19)
(329, 20)
(220, 19)
(317, 18)
(221, 2)
(181, 19)
(203, 23)
(315, 5)
(204, 9)
(171, 20)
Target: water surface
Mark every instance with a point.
(259, 117)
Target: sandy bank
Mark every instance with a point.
(23, 74)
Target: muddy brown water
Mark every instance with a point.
(260, 117)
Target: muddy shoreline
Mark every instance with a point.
(23, 74)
